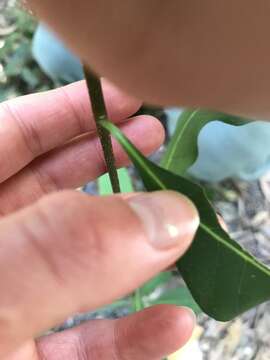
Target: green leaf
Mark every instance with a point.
(224, 279)
(30, 77)
(159, 280)
(182, 150)
(137, 301)
(179, 296)
(19, 59)
(105, 187)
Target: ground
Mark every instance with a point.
(245, 209)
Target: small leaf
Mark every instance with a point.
(182, 150)
(105, 186)
(156, 282)
(179, 296)
(224, 279)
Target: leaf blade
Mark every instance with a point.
(105, 186)
(232, 281)
(179, 296)
(182, 151)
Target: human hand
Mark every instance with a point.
(65, 252)
(186, 53)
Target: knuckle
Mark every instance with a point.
(70, 238)
(28, 132)
(71, 345)
(122, 344)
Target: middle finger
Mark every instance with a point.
(75, 164)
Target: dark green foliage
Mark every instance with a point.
(224, 279)
(19, 73)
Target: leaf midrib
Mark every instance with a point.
(179, 136)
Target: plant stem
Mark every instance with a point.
(137, 301)
(100, 113)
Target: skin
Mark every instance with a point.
(190, 53)
(56, 256)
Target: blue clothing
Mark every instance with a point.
(227, 151)
(55, 59)
(224, 150)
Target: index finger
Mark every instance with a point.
(34, 124)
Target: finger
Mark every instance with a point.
(27, 351)
(34, 124)
(74, 164)
(222, 223)
(150, 334)
(135, 29)
(68, 252)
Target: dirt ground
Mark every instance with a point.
(245, 208)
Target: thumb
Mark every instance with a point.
(73, 252)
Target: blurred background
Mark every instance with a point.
(27, 64)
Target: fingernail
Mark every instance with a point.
(168, 217)
(191, 314)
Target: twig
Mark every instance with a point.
(100, 113)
